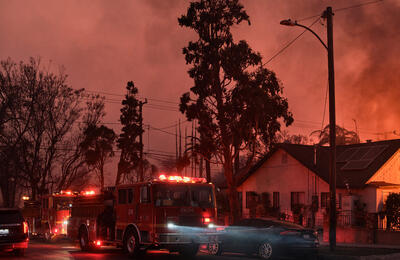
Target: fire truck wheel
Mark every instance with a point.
(83, 240)
(189, 251)
(131, 243)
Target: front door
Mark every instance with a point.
(145, 213)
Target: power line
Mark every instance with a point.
(357, 5)
(121, 95)
(288, 44)
(342, 9)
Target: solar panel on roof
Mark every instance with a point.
(357, 165)
(360, 153)
(346, 155)
(374, 152)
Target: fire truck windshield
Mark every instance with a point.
(61, 203)
(179, 195)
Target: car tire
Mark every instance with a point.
(265, 250)
(214, 249)
(83, 240)
(131, 243)
(19, 252)
(189, 251)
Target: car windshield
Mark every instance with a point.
(10, 217)
(265, 223)
(288, 225)
(183, 195)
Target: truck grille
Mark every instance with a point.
(191, 221)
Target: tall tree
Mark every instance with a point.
(343, 136)
(236, 101)
(98, 147)
(74, 172)
(131, 130)
(285, 137)
(38, 109)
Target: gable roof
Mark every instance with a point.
(356, 165)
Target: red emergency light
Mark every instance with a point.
(26, 228)
(175, 178)
(89, 192)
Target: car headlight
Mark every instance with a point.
(171, 225)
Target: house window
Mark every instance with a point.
(338, 200)
(297, 199)
(251, 199)
(324, 200)
(314, 203)
(275, 200)
(284, 158)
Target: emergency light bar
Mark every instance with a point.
(185, 179)
(88, 192)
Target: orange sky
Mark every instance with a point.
(104, 44)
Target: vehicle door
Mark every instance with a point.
(144, 216)
(234, 236)
(258, 231)
(121, 212)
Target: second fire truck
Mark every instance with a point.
(49, 216)
(172, 212)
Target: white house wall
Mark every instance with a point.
(277, 176)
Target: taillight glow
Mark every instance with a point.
(98, 243)
(206, 220)
(55, 230)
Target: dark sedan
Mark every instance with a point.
(267, 238)
(13, 231)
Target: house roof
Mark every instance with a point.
(356, 163)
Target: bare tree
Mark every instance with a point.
(39, 111)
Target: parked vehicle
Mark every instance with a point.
(13, 231)
(267, 238)
(172, 212)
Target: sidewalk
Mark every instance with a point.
(359, 252)
(363, 245)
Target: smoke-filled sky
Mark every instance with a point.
(103, 44)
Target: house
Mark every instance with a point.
(292, 182)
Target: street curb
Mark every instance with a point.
(369, 257)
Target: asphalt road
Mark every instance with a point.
(63, 251)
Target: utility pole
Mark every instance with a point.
(332, 131)
(141, 172)
(332, 119)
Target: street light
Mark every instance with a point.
(332, 119)
(289, 22)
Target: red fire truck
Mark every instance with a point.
(171, 212)
(49, 217)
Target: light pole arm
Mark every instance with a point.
(316, 35)
(289, 22)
